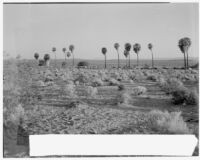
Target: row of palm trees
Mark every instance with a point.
(127, 49)
(66, 54)
(184, 45)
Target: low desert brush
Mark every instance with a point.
(170, 85)
(184, 96)
(91, 91)
(113, 82)
(97, 82)
(69, 90)
(124, 98)
(167, 122)
(138, 90)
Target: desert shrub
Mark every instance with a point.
(97, 82)
(138, 90)
(64, 64)
(13, 115)
(121, 87)
(40, 83)
(69, 90)
(124, 98)
(113, 82)
(82, 78)
(170, 85)
(152, 77)
(83, 64)
(184, 96)
(168, 122)
(91, 91)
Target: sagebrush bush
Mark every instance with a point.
(170, 85)
(91, 91)
(69, 90)
(124, 98)
(121, 87)
(152, 77)
(168, 122)
(14, 115)
(138, 90)
(113, 82)
(97, 82)
(83, 64)
(184, 96)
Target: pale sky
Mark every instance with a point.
(30, 28)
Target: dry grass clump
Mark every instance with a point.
(121, 87)
(152, 77)
(170, 85)
(97, 82)
(167, 122)
(69, 90)
(113, 82)
(184, 96)
(91, 91)
(13, 114)
(138, 90)
(82, 78)
(124, 98)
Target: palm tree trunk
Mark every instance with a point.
(152, 59)
(105, 61)
(129, 62)
(118, 59)
(73, 59)
(55, 59)
(187, 60)
(184, 60)
(65, 56)
(137, 60)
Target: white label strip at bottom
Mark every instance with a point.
(157, 145)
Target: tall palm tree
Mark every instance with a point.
(150, 47)
(126, 56)
(71, 48)
(68, 54)
(116, 46)
(36, 56)
(54, 51)
(47, 59)
(137, 48)
(127, 47)
(64, 50)
(104, 50)
(184, 44)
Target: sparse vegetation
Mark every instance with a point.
(83, 64)
(167, 122)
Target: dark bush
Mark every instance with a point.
(41, 63)
(184, 96)
(83, 64)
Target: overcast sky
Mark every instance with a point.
(30, 28)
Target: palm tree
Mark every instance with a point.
(184, 44)
(126, 56)
(47, 59)
(36, 56)
(68, 54)
(64, 50)
(116, 46)
(104, 50)
(137, 48)
(54, 51)
(150, 47)
(18, 56)
(127, 47)
(71, 48)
